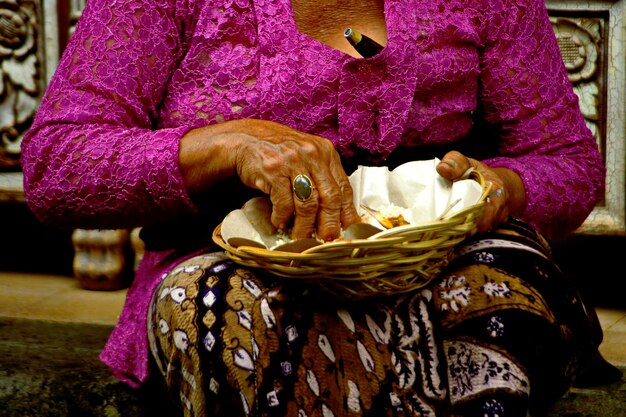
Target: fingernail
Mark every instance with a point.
(450, 163)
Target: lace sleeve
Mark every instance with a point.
(91, 158)
(526, 93)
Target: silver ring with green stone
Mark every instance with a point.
(302, 187)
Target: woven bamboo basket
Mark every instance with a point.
(397, 260)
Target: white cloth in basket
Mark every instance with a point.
(414, 190)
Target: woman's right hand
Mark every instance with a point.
(267, 156)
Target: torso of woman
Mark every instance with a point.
(288, 61)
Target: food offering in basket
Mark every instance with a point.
(412, 219)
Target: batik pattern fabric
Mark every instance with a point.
(492, 336)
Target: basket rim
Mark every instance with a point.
(388, 237)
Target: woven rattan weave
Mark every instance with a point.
(396, 260)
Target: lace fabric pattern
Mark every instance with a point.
(136, 76)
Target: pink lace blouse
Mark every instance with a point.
(137, 75)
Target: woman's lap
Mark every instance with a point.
(474, 341)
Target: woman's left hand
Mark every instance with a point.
(506, 197)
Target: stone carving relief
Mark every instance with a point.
(21, 82)
(592, 38)
(580, 41)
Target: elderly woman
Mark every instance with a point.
(168, 114)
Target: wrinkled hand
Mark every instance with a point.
(267, 156)
(506, 197)
(279, 154)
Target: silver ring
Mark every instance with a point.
(302, 187)
(497, 193)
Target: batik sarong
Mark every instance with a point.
(500, 332)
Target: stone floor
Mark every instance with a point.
(604, 401)
(51, 332)
(51, 369)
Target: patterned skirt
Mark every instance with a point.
(501, 332)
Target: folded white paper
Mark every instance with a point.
(414, 190)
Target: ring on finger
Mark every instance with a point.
(497, 193)
(302, 187)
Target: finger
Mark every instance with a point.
(281, 196)
(453, 165)
(305, 212)
(336, 205)
(329, 212)
(331, 199)
(486, 221)
(496, 194)
(290, 211)
(500, 200)
(349, 214)
(495, 210)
